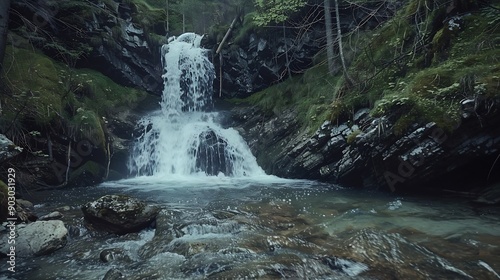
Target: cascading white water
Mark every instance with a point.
(183, 138)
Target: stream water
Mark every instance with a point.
(232, 221)
(270, 228)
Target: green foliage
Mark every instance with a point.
(422, 83)
(311, 94)
(34, 79)
(148, 13)
(99, 93)
(276, 11)
(413, 68)
(249, 26)
(44, 92)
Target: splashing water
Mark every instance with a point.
(183, 138)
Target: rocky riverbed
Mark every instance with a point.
(222, 228)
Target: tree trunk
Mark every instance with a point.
(286, 53)
(329, 38)
(341, 49)
(4, 28)
(168, 23)
(226, 35)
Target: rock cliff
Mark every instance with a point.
(367, 153)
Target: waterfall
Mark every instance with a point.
(183, 137)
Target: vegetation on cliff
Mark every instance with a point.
(416, 67)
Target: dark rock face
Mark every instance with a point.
(259, 60)
(96, 35)
(132, 60)
(119, 214)
(211, 156)
(366, 153)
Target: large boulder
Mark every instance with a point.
(35, 239)
(119, 214)
(211, 154)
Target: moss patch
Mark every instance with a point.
(311, 94)
(416, 66)
(429, 80)
(44, 93)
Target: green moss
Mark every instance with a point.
(87, 125)
(44, 92)
(413, 68)
(33, 79)
(242, 34)
(402, 124)
(352, 136)
(427, 81)
(147, 13)
(310, 94)
(99, 93)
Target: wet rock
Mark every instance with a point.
(124, 52)
(119, 214)
(257, 59)
(56, 215)
(211, 155)
(73, 231)
(166, 231)
(25, 211)
(8, 149)
(114, 254)
(425, 158)
(113, 274)
(38, 238)
(490, 196)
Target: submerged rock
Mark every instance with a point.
(52, 216)
(119, 214)
(113, 274)
(114, 254)
(38, 238)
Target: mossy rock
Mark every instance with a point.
(351, 138)
(35, 80)
(87, 125)
(46, 93)
(88, 174)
